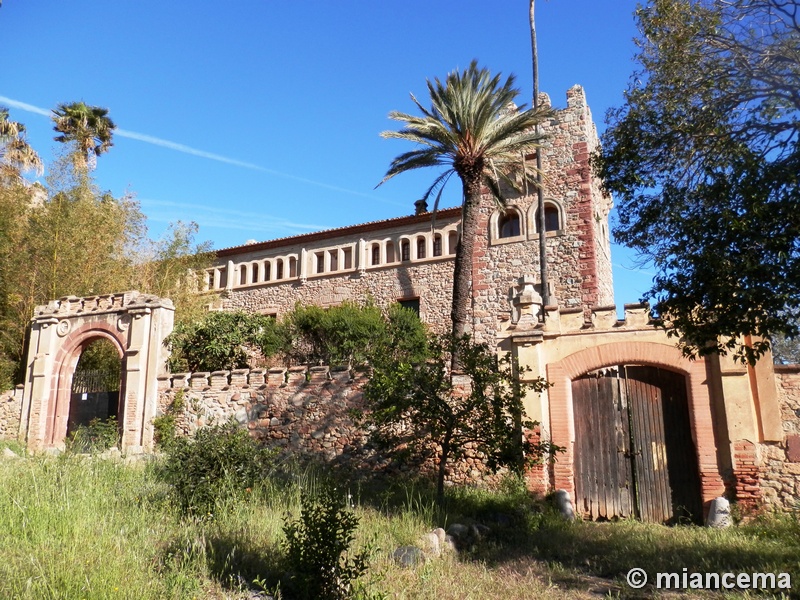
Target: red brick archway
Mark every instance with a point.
(561, 374)
(66, 361)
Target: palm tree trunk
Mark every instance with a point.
(540, 225)
(462, 272)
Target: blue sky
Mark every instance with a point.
(261, 118)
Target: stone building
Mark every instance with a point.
(645, 431)
(410, 259)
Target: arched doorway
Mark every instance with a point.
(95, 387)
(634, 452)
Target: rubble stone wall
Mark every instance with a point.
(303, 412)
(10, 413)
(780, 462)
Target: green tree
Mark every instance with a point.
(416, 405)
(704, 161)
(88, 127)
(74, 241)
(168, 267)
(472, 130)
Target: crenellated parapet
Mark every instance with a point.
(287, 378)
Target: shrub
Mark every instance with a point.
(223, 340)
(317, 546)
(354, 335)
(98, 436)
(219, 463)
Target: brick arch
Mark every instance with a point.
(66, 360)
(560, 374)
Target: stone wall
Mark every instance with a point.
(303, 412)
(780, 462)
(10, 412)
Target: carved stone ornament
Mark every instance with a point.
(63, 327)
(124, 322)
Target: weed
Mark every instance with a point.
(98, 436)
(317, 548)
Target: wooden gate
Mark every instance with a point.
(634, 453)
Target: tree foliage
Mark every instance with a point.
(472, 130)
(414, 405)
(704, 160)
(223, 340)
(65, 236)
(89, 128)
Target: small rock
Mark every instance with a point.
(409, 556)
(564, 504)
(458, 531)
(430, 543)
(9, 453)
(719, 513)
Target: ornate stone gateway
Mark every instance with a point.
(135, 324)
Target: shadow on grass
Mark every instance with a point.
(233, 559)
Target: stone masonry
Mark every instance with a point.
(303, 412)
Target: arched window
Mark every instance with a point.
(437, 245)
(242, 274)
(376, 254)
(279, 269)
(267, 271)
(292, 267)
(552, 218)
(320, 262)
(508, 224)
(452, 242)
(405, 250)
(390, 258)
(421, 247)
(255, 273)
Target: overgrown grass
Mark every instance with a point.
(76, 527)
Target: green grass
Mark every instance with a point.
(83, 527)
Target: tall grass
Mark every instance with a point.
(89, 528)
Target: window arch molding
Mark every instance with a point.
(506, 225)
(554, 217)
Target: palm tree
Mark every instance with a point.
(88, 126)
(475, 131)
(16, 155)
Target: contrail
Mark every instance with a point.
(155, 141)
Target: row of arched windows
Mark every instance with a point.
(377, 253)
(509, 223)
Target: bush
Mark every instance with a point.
(317, 546)
(219, 463)
(98, 436)
(354, 335)
(223, 340)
